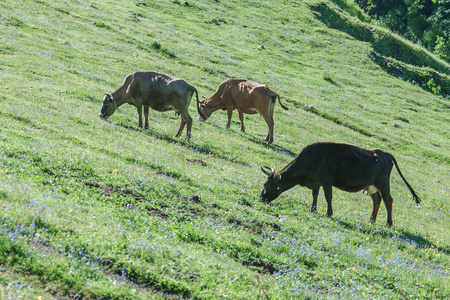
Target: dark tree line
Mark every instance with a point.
(422, 21)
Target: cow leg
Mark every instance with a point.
(189, 126)
(229, 114)
(146, 109)
(376, 200)
(241, 117)
(315, 194)
(387, 199)
(328, 191)
(185, 118)
(182, 124)
(139, 110)
(269, 120)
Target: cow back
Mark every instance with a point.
(159, 91)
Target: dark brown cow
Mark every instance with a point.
(347, 167)
(247, 97)
(155, 90)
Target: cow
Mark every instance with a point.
(344, 166)
(247, 97)
(156, 90)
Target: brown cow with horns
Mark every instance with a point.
(155, 90)
(347, 167)
(247, 97)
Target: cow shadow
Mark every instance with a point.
(257, 140)
(405, 236)
(273, 146)
(181, 142)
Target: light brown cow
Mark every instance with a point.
(247, 97)
(155, 90)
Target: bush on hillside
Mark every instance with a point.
(393, 53)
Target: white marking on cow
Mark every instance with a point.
(370, 190)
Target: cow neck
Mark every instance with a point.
(288, 176)
(120, 97)
(215, 102)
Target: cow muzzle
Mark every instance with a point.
(262, 197)
(103, 116)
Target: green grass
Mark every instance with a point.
(98, 209)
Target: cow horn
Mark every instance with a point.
(265, 170)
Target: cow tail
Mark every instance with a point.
(416, 198)
(283, 106)
(198, 106)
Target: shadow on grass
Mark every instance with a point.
(182, 142)
(339, 122)
(404, 237)
(272, 146)
(259, 141)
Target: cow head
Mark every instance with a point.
(108, 106)
(205, 111)
(271, 189)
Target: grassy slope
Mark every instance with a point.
(107, 210)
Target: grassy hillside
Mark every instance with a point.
(94, 209)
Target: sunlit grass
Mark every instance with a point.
(103, 209)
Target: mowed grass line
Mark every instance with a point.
(106, 210)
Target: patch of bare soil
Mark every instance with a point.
(267, 268)
(197, 161)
